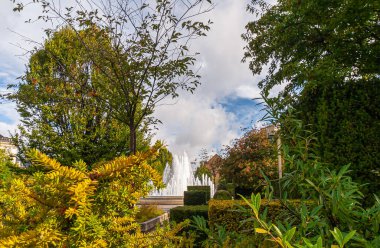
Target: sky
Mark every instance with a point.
(208, 119)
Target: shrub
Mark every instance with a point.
(198, 188)
(179, 214)
(196, 197)
(231, 188)
(222, 195)
(229, 213)
(51, 205)
(147, 212)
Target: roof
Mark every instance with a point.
(5, 139)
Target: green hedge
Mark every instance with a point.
(179, 214)
(194, 197)
(223, 195)
(227, 213)
(198, 188)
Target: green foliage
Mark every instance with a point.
(63, 206)
(284, 238)
(147, 59)
(58, 101)
(196, 197)
(164, 158)
(179, 214)
(337, 200)
(247, 158)
(309, 42)
(5, 167)
(198, 188)
(202, 170)
(233, 214)
(147, 212)
(325, 53)
(345, 121)
(222, 195)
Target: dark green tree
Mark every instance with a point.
(327, 55)
(58, 102)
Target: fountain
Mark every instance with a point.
(180, 175)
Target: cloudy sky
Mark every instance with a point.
(210, 118)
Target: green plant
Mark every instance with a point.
(196, 197)
(147, 212)
(181, 213)
(284, 238)
(222, 195)
(198, 188)
(235, 215)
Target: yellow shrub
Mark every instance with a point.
(49, 204)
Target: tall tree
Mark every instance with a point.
(57, 100)
(150, 58)
(327, 55)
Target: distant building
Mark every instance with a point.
(8, 147)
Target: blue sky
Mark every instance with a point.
(210, 118)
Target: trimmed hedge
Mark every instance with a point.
(198, 188)
(179, 214)
(195, 197)
(223, 195)
(227, 213)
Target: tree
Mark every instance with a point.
(310, 42)
(326, 52)
(150, 58)
(247, 158)
(60, 112)
(345, 120)
(62, 206)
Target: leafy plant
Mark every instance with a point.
(284, 238)
(62, 206)
(147, 212)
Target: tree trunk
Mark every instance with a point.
(132, 139)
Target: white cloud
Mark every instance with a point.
(194, 123)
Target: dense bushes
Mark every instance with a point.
(179, 214)
(49, 204)
(230, 213)
(247, 158)
(345, 119)
(195, 197)
(223, 195)
(198, 187)
(147, 212)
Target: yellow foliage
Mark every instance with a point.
(69, 206)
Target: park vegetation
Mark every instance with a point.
(98, 78)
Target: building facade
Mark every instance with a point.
(10, 149)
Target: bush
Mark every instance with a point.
(228, 213)
(147, 212)
(222, 195)
(245, 191)
(196, 197)
(198, 188)
(231, 188)
(179, 214)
